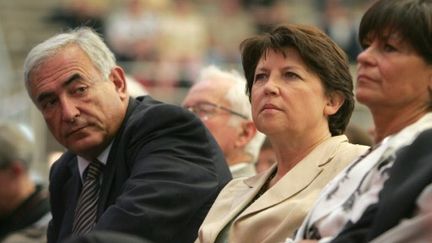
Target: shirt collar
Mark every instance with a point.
(83, 163)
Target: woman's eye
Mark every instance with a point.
(260, 77)
(291, 75)
(365, 44)
(389, 48)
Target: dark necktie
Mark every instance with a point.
(85, 212)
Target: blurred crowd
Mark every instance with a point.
(164, 43)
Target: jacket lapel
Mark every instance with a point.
(297, 179)
(113, 166)
(70, 190)
(253, 187)
(238, 198)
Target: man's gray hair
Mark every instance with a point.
(238, 100)
(15, 145)
(85, 38)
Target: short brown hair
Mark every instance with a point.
(321, 55)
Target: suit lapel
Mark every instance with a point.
(71, 191)
(243, 196)
(113, 165)
(298, 178)
(253, 186)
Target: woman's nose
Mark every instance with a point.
(366, 56)
(271, 87)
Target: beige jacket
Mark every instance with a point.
(279, 211)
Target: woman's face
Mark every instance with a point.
(287, 98)
(391, 75)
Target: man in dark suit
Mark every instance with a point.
(160, 168)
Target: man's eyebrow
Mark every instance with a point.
(70, 80)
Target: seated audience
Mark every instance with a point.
(132, 31)
(135, 166)
(300, 89)
(391, 183)
(218, 98)
(24, 204)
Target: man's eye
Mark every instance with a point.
(206, 108)
(49, 103)
(81, 90)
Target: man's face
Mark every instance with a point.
(82, 109)
(216, 120)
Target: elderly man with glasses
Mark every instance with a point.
(218, 98)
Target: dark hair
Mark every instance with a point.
(321, 55)
(412, 19)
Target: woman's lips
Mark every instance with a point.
(270, 107)
(363, 77)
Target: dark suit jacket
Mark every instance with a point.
(163, 172)
(409, 175)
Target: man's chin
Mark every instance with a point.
(83, 147)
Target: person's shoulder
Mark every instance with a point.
(61, 167)
(347, 146)
(148, 102)
(423, 140)
(339, 147)
(347, 152)
(356, 148)
(147, 107)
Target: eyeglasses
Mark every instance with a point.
(206, 109)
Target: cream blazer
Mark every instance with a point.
(280, 210)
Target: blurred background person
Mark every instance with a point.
(340, 24)
(300, 89)
(266, 156)
(223, 44)
(24, 204)
(132, 31)
(218, 98)
(182, 44)
(77, 13)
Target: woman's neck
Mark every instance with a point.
(388, 123)
(289, 152)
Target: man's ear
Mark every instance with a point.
(334, 101)
(117, 76)
(247, 132)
